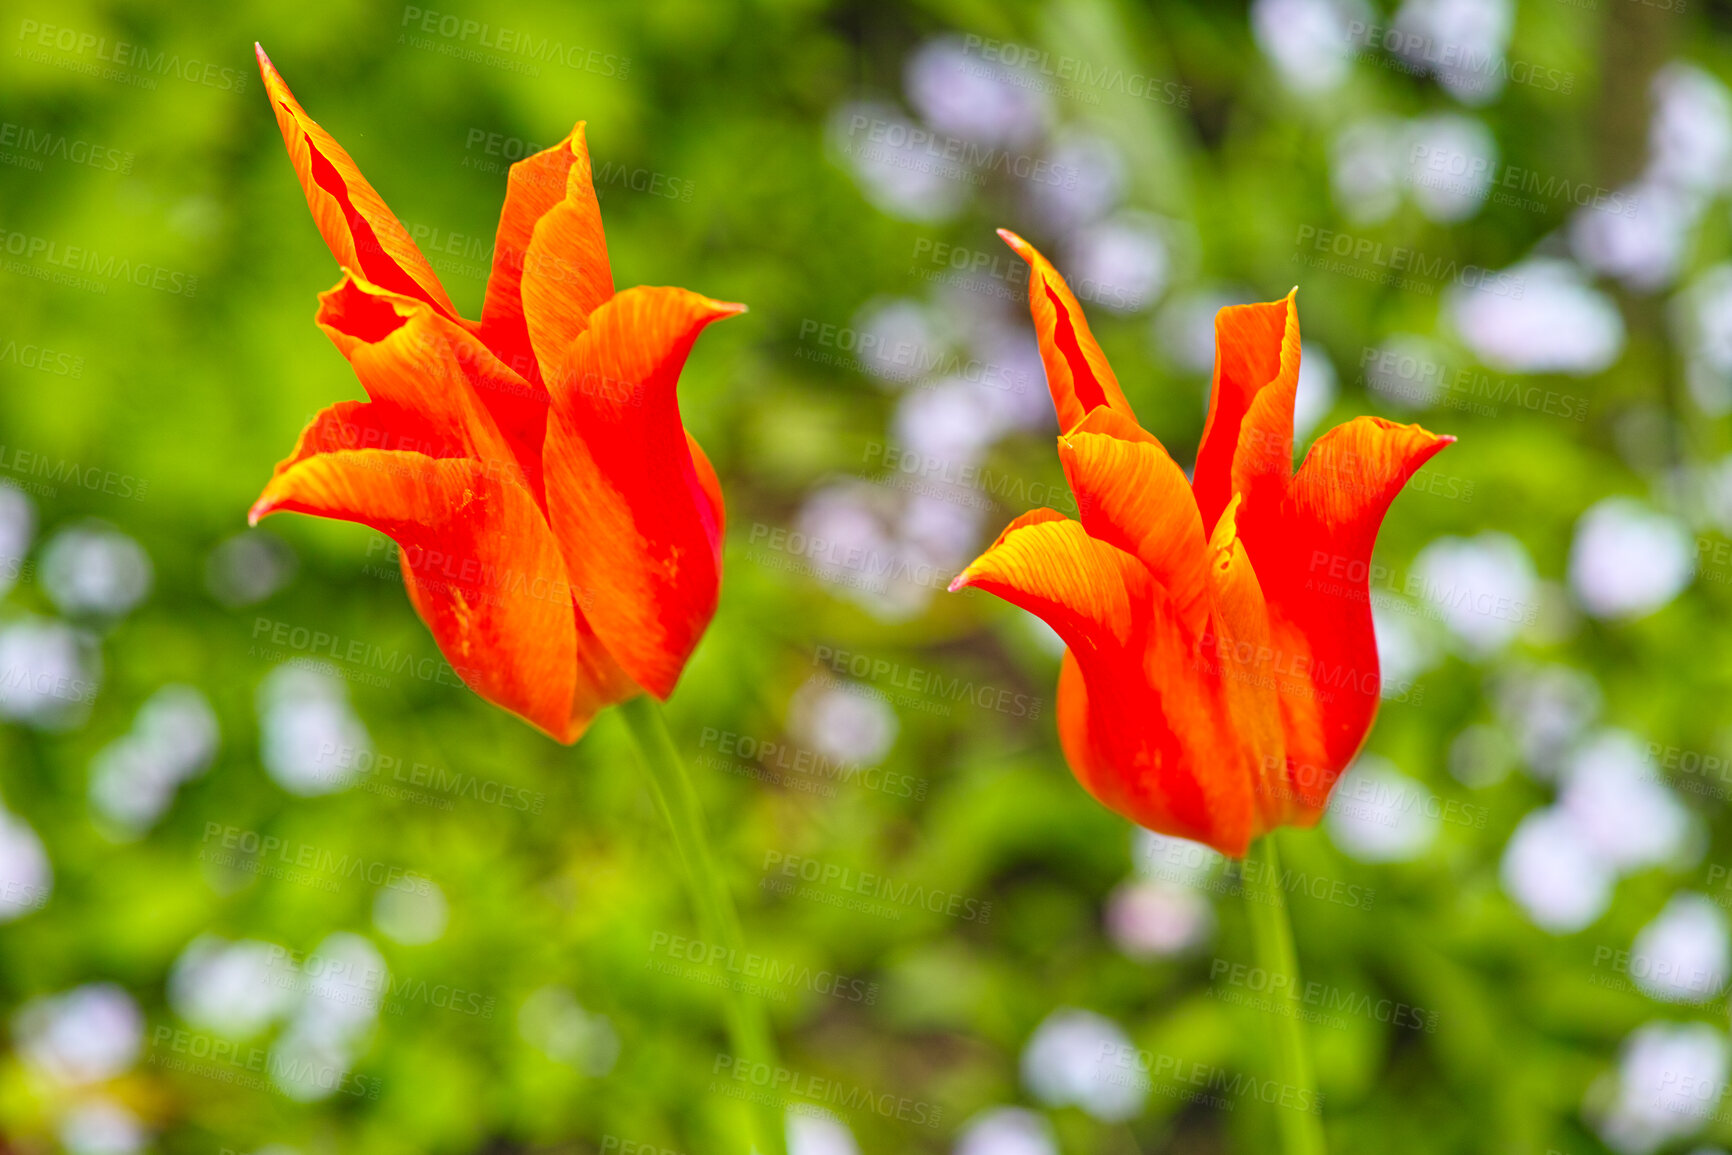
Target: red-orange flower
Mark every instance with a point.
(560, 532)
(1220, 669)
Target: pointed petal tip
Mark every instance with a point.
(1022, 247)
(710, 310)
(1437, 439)
(1411, 427)
(959, 582)
(576, 141)
(566, 735)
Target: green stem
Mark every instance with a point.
(748, 1026)
(1301, 1126)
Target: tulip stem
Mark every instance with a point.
(1301, 1124)
(748, 1025)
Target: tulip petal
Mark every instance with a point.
(1238, 647)
(637, 518)
(1355, 471)
(712, 489)
(1077, 372)
(1236, 595)
(1320, 622)
(355, 425)
(1256, 352)
(563, 273)
(483, 571)
(1031, 517)
(1145, 727)
(1093, 594)
(1162, 755)
(360, 230)
(536, 187)
(1113, 423)
(1131, 494)
(414, 360)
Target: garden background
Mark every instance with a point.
(272, 880)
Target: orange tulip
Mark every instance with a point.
(1220, 669)
(560, 533)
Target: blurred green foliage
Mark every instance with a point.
(197, 393)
